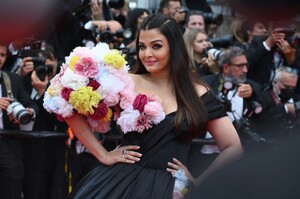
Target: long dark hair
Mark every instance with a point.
(190, 106)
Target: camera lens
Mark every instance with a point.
(41, 72)
(106, 36)
(17, 111)
(114, 3)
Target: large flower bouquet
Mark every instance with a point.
(94, 82)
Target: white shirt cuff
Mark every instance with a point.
(266, 46)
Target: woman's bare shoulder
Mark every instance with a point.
(201, 89)
(136, 77)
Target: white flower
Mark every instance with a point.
(72, 80)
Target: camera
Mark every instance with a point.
(222, 97)
(242, 125)
(248, 136)
(17, 111)
(213, 52)
(29, 46)
(107, 36)
(212, 18)
(254, 107)
(41, 69)
(223, 42)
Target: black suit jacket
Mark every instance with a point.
(214, 82)
(23, 97)
(274, 121)
(42, 151)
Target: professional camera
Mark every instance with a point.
(254, 107)
(226, 87)
(242, 125)
(223, 42)
(29, 46)
(216, 53)
(41, 69)
(212, 18)
(17, 111)
(130, 54)
(107, 36)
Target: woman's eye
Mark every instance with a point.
(157, 46)
(141, 47)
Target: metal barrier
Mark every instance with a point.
(32, 134)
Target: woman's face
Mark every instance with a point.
(154, 50)
(200, 43)
(140, 20)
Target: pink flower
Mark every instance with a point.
(94, 84)
(140, 102)
(127, 98)
(143, 123)
(65, 93)
(103, 127)
(111, 99)
(99, 112)
(86, 66)
(153, 109)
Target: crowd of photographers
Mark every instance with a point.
(254, 72)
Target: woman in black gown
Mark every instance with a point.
(142, 166)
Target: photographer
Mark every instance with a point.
(236, 100)
(44, 158)
(279, 119)
(11, 153)
(241, 93)
(266, 53)
(197, 46)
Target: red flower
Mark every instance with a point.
(100, 112)
(59, 118)
(94, 84)
(65, 93)
(140, 102)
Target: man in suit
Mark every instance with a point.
(281, 106)
(266, 53)
(237, 99)
(11, 163)
(44, 158)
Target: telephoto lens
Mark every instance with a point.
(17, 111)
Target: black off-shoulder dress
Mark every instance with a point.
(147, 178)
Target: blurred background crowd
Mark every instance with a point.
(248, 53)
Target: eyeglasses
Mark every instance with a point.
(240, 66)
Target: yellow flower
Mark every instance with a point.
(73, 61)
(115, 59)
(84, 99)
(54, 90)
(108, 116)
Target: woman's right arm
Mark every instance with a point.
(84, 133)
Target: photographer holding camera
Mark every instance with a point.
(44, 158)
(280, 119)
(13, 98)
(197, 45)
(267, 53)
(233, 88)
(237, 93)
